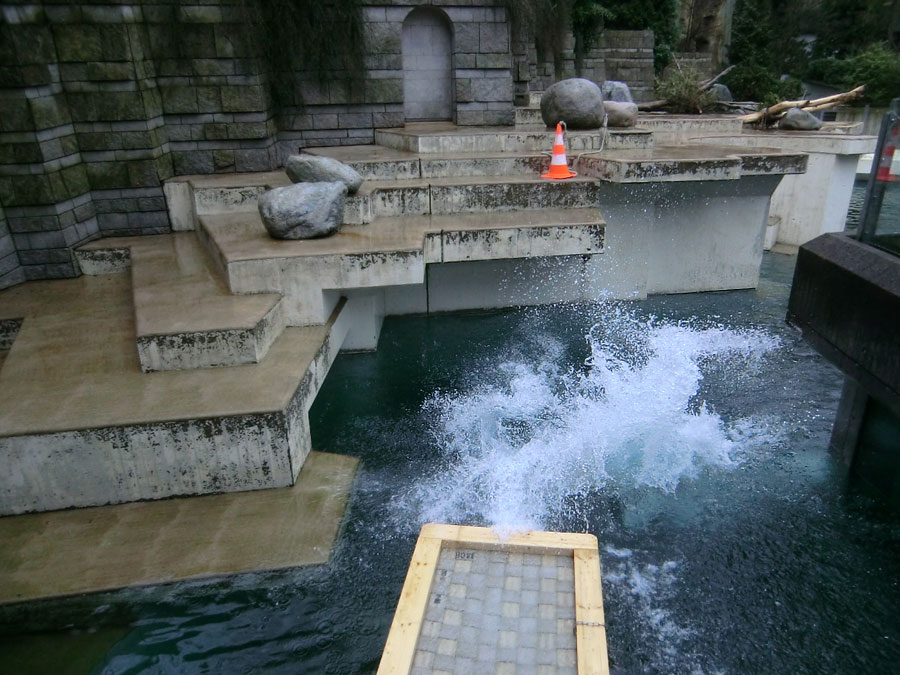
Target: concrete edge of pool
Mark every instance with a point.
(108, 547)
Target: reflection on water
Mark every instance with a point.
(688, 433)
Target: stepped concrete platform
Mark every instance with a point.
(82, 425)
(528, 116)
(108, 393)
(690, 163)
(387, 253)
(185, 316)
(429, 137)
(816, 202)
(669, 129)
(108, 547)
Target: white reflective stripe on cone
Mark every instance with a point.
(559, 139)
(558, 159)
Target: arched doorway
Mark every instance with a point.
(427, 65)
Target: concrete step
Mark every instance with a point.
(82, 425)
(374, 162)
(476, 190)
(439, 196)
(185, 316)
(389, 252)
(529, 116)
(448, 138)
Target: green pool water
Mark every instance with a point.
(689, 433)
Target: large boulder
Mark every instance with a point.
(613, 90)
(303, 211)
(621, 114)
(797, 119)
(721, 92)
(308, 168)
(577, 102)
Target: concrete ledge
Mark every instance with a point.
(446, 138)
(82, 425)
(108, 547)
(185, 316)
(846, 300)
(9, 329)
(388, 252)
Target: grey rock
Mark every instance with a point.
(797, 119)
(576, 101)
(621, 114)
(307, 168)
(613, 90)
(721, 92)
(303, 211)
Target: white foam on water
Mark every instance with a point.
(520, 451)
(647, 588)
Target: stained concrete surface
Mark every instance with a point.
(74, 365)
(107, 547)
(177, 290)
(240, 236)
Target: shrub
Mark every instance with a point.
(753, 82)
(681, 88)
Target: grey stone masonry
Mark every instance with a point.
(618, 55)
(10, 270)
(101, 103)
(628, 57)
(702, 62)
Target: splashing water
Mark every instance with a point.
(518, 453)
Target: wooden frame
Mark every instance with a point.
(590, 625)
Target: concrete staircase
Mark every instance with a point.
(186, 363)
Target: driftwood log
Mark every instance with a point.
(769, 115)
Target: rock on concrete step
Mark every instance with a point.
(391, 252)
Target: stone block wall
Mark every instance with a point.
(344, 111)
(10, 270)
(618, 55)
(628, 57)
(101, 101)
(215, 101)
(702, 62)
(44, 186)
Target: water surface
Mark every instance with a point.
(689, 433)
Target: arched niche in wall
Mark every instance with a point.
(427, 65)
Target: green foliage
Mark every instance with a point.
(548, 21)
(321, 38)
(762, 48)
(878, 67)
(753, 82)
(846, 27)
(681, 88)
(588, 18)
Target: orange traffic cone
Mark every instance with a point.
(559, 166)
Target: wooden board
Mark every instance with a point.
(581, 549)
